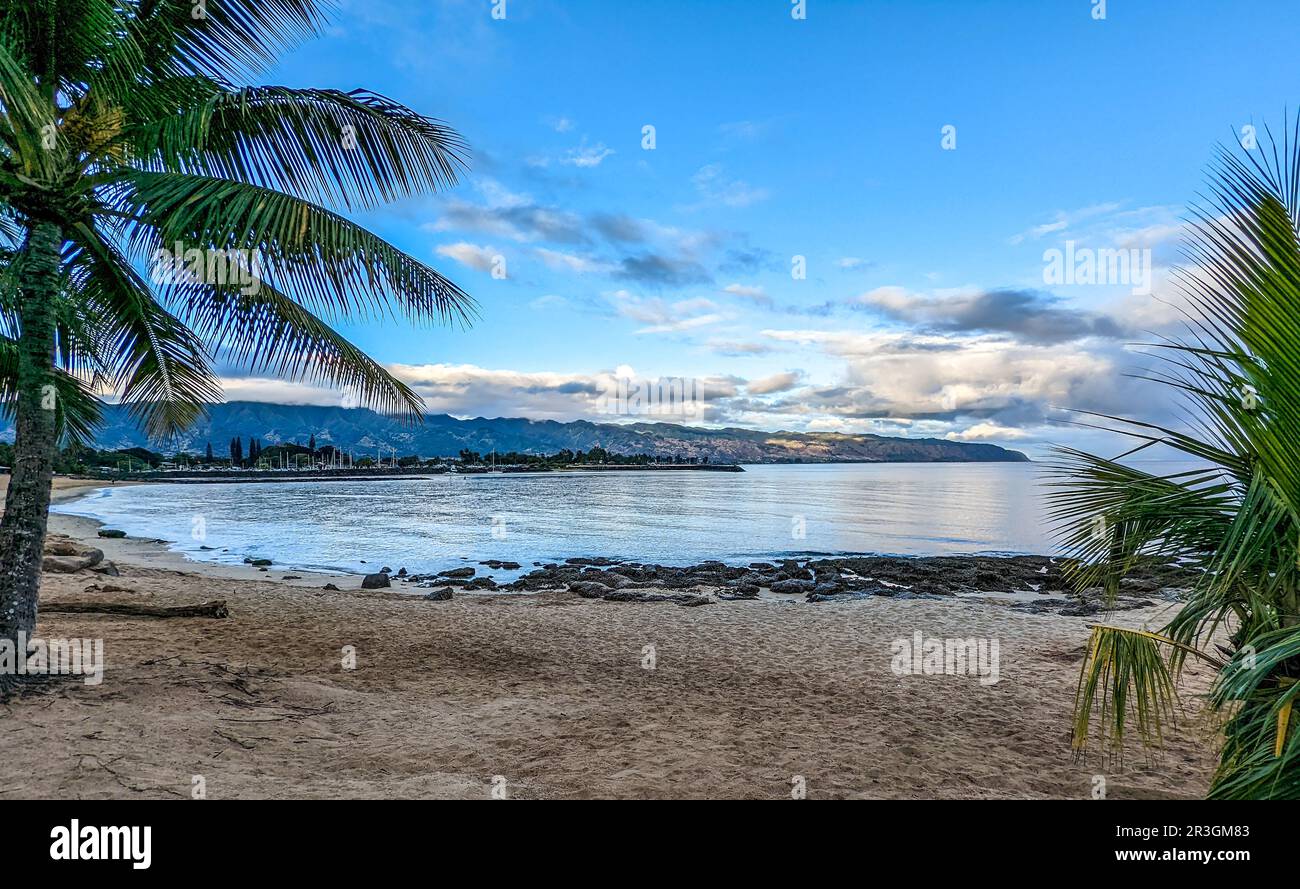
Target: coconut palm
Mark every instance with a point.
(1232, 516)
(124, 143)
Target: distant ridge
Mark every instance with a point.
(365, 431)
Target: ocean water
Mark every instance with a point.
(674, 518)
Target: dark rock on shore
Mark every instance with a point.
(589, 589)
(377, 581)
(439, 595)
(634, 596)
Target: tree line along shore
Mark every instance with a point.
(282, 460)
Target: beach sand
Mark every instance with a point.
(547, 696)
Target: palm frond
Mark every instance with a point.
(158, 364)
(357, 149)
(321, 259)
(1237, 519)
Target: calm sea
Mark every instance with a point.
(665, 517)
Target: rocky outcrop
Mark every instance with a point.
(1034, 584)
(65, 556)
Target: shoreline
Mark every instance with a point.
(563, 695)
(156, 553)
(1040, 586)
(1030, 582)
(190, 477)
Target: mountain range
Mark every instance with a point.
(364, 431)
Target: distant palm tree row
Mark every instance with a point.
(155, 218)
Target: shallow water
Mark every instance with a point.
(666, 517)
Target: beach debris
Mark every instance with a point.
(216, 608)
(107, 588)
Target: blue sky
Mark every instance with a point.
(924, 310)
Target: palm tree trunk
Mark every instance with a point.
(27, 503)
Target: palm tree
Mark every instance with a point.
(123, 141)
(1233, 516)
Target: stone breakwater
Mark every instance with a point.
(1034, 584)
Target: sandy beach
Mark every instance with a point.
(549, 695)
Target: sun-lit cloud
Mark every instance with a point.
(782, 382)
(987, 432)
(476, 256)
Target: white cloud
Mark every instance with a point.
(747, 130)
(660, 316)
(782, 382)
(717, 189)
(1063, 220)
(279, 392)
(739, 348)
(549, 301)
(473, 255)
(559, 260)
(750, 292)
(987, 432)
(948, 377)
(587, 155)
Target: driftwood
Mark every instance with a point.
(215, 608)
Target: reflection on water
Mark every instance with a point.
(666, 517)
